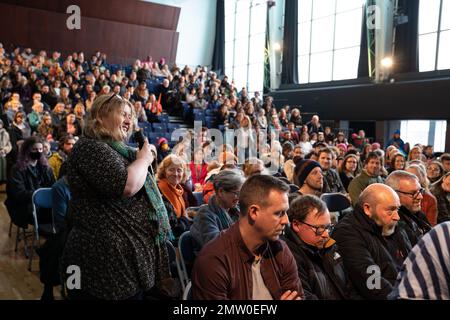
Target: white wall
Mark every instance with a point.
(196, 28)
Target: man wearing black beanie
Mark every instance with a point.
(308, 177)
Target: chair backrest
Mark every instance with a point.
(336, 201)
(187, 252)
(199, 197)
(41, 199)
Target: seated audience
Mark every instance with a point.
(308, 177)
(56, 160)
(441, 190)
(370, 242)
(239, 263)
(398, 162)
(429, 202)
(331, 181)
(412, 219)
(222, 209)
(171, 173)
(435, 171)
(370, 174)
(348, 170)
(320, 267)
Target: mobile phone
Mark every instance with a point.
(139, 138)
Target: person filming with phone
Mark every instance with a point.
(117, 219)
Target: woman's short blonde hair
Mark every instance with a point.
(103, 106)
(167, 162)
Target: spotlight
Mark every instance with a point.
(387, 62)
(276, 46)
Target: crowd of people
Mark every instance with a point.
(260, 227)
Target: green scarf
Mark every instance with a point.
(158, 212)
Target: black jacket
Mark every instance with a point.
(321, 271)
(364, 250)
(20, 189)
(414, 224)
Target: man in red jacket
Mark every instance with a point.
(248, 261)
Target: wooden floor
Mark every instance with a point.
(16, 282)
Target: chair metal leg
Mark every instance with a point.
(17, 239)
(31, 253)
(25, 243)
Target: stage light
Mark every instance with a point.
(276, 46)
(387, 62)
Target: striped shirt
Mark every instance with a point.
(425, 274)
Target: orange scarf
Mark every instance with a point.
(174, 195)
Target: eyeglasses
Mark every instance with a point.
(235, 193)
(319, 230)
(414, 194)
(433, 169)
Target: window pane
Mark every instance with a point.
(344, 5)
(304, 36)
(439, 136)
(240, 76)
(322, 34)
(256, 77)
(427, 52)
(230, 7)
(346, 63)
(242, 18)
(348, 29)
(428, 15)
(323, 8)
(303, 68)
(444, 51)
(229, 73)
(304, 10)
(258, 18)
(229, 28)
(321, 64)
(414, 131)
(445, 23)
(241, 52)
(257, 48)
(229, 49)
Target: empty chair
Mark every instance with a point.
(159, 127)
(172, 126)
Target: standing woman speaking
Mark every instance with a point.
(119, 225)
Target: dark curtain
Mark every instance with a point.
(289, 73)
(406, 56)
(363, 66)
(218, 62)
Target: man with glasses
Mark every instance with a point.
(412, 219)
(320, 266)
(371, 244)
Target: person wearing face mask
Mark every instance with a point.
(320, 266)
(371, 242)
(119, 225)
(30, 173)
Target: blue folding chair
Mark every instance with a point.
(172, 126)
(186, 245)
(159, 127)
(41, 199)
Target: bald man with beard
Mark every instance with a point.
(372, 246)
